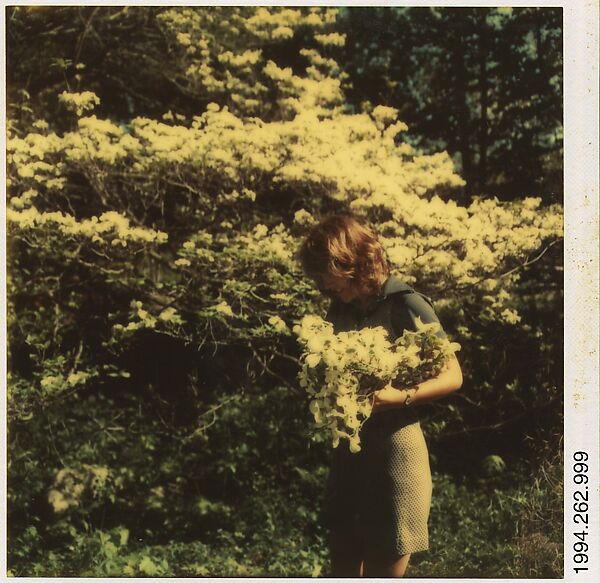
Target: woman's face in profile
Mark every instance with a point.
(337, 287)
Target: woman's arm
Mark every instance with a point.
(448, 381)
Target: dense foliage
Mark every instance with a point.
(164, 164)
(484, 84)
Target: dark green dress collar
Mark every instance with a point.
(392, 285)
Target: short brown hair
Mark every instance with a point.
(343, 246)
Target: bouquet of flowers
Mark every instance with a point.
(340, 371)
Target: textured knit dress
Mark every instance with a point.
(383, 493)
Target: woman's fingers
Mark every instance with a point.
(377, 403)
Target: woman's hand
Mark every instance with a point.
(387, 398)
(448, 381)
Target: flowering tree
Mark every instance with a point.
(194, 197)
(184, 230)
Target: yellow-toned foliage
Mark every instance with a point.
(153, 289)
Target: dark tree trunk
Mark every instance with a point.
(483, 107)
(461, 76)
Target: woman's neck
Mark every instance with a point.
(362, 302)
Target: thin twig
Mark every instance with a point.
(494, 426)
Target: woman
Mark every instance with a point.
(378, 500)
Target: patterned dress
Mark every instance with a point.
(383, 493)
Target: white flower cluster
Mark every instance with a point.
(452, 245)
(223, 67)
(279, 324)
(339, 369)
(196, 250)
(277, 244)
(32, 159)
(304, 218)
(331, 39)
(79, 102)
(142, 318)
(110, 225)
(56, 383)
(70, 484)
(224, 308)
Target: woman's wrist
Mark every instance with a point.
(398, 396)
(405, 396)
(391, 397)
(409, 395)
